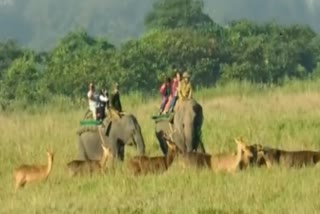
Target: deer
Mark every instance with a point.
(27, 173)
(193, 158)
(142, 164)
(81, 167)
(231, 162)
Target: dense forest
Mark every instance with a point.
(59, 46)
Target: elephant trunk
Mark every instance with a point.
(179, 139)
(189, 136)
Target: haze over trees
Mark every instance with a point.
(57, 47)
(39, 24)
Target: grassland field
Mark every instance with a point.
(286, 117)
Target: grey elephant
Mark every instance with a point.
(115, 134)
(185, 125)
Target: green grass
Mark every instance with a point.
(286, 117)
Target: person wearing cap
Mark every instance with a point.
(185, 88)
(115, 98)
(92, 100)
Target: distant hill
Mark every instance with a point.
(38, 24)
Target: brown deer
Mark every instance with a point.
(195, 159)
(231, 162)
(296, 159)
(81, 167)
(142, 165)
(29, 173)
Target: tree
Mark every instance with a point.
(75, 61)
(22, 80)
(177, 13)
(9, 51)
(144, 63)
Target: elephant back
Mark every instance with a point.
(84, 129)
(88, 126)
(190, 106)
(112, 115)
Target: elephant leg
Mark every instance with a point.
(201, 147)
(163, 144)
(115, 149)
(121, 151)
(179, 139)
(188, 133)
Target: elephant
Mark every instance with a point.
(186, 127)
(114, 133)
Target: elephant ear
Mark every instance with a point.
(108, 128)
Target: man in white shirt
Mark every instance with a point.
(92, 100)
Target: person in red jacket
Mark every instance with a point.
(165, 91)
(174, 90)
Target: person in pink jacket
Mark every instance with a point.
(174, 90)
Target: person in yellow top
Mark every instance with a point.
(185, 88)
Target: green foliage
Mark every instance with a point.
(147, 60)
(179, 33)
(267, 53)
(177, 13)
(77, 60)
(9, 51)
(22, 81)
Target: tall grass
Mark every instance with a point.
(285, 117)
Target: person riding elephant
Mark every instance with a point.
(115, 98)
(114, 133)
(174, 90)
(185, 127)
(185, 88)
(92, 100)
(101, 105)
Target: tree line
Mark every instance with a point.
(264, 53)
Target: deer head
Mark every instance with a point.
(172, 146)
